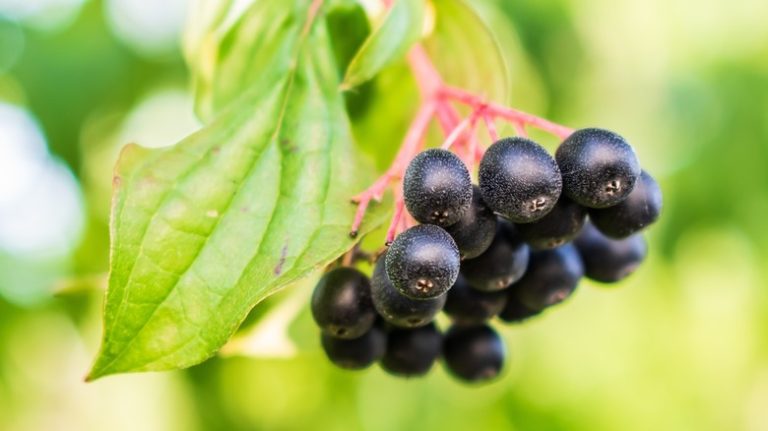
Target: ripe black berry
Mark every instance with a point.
(609, 260)
(638, 210)
(501, 265)
(551, 277)
(423, 262)
(561, 225)
(519, 179)
(599, 167)
(437, 187)
(474, 231)
(469, 306)
(411, 352)
(356, 353)
(341, 303)
(398, 309)
(514, 311)
(473, 353)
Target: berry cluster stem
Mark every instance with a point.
(437, 101)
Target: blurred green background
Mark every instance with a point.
(681, 345)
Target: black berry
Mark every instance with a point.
(519, 179)
(473, 353)
(469, 306)
(515, 311)
(638, 210)
(357, 353)
(599, 167)
(437, 187)
(561, 225)
(609, 260)
(411, 352)
(398, 309)
(474, 231)
(551, 277)
(341, 303)
(501, 265)
(423, 262)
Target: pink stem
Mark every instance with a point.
(397, 218)
(456, 132)
(513, 115)
(491, 127)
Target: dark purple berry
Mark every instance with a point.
(341, 303)
(357, 353)
(437, 187)
(423, 262)
(560, 226)
(641, 208)
(398, 309)
(609, 260)
(468, 306)
(473, 353)
(411, 352)
(514, 311)
(519, 179)
(474, 231)
(501, 265)
(599, 167)
(551, 277)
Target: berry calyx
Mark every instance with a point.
(473, 353)
(609, 260)
(341, 303)
(423, 262)
(519, 179)
(640, 209)
(396, 308)
(474, 231)
(599, 167)
(437, 187)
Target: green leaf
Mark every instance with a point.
(203, 231)
(391, 40)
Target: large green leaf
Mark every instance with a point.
(204, 230)
(390, 41)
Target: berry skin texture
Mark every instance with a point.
(514, 311)
(551, 277)
(437, 188)
(468, 306)
(560, 226)
(473, 353)
(398, 309)
(609, 260)
(599, 167)
(423, 262)
(341, 303)
(474, 231)
(357, 353)
(501, 265)
(519, 179)
(641, 208)
(412, 352)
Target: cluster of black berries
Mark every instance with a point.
(511, 247)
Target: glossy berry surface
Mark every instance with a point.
(474, 231)
(473, 353)
(341, 303)
(501, 265)
(423, 262)
(561, 225)
(398, 309)
(412, 352)
(356, 353)
(519, 179)
(551, 277)
(437, 187)
(599, 167)
(515, 311)
(641, 208)
(609, 260)
(469, 306)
